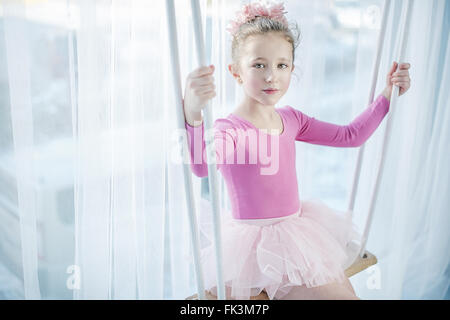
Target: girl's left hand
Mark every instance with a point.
(400, 78)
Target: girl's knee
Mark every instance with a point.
(350, 297)
(332, 291)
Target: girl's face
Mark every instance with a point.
(265, 67)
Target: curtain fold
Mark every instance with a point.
(91, 204)
(95, 144)
(119, 79)
(18, 60)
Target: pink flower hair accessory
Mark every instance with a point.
(274, 11)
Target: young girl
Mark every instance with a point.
(274, 243)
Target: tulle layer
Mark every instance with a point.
(308, 248)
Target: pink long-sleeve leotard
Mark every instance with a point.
(261, 184)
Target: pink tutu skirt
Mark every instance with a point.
(311, 247)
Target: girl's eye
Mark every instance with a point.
(260, 65)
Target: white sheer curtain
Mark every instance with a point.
(96, 210)
(132, 223)
(91, 205)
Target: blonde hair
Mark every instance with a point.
(264, 25)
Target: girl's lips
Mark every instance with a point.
(270, 91)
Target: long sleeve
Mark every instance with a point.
(354, 134)
(223, 140)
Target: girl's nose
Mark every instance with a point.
(269, 75)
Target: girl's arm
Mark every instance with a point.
(200, 89)
(223, 140)
(360, 129)
(354, 134)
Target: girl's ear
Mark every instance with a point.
(235, 73)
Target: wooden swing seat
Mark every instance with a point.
(360, 264)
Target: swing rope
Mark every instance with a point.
(364, 258)
(387, 134)
(212, 172)
(173, 42)
(208, 123)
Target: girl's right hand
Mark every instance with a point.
(199, 90)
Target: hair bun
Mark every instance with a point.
(251, 11)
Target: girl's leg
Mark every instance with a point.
(332, 291)
(211, 295)
(349, 286)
